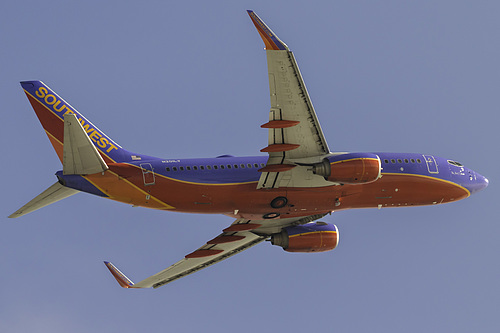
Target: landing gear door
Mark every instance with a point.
(148, 174)
(431, 164)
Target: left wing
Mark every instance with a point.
(239, 236)
(294, 130)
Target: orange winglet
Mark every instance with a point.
(270, 39)
(122, 280)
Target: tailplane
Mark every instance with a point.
(53, 194)
(80, 157)
(82, 148)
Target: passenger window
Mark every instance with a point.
(412, 160)
(256, 165)
(242, 166)
(168, 169)
(393, 161)
(215, 167)
(406, 160)
(181, 168)
(188, 168)
(209, 167)
(235, 166)
(249, 165)
(386, 161)
(229, 166)
(418, 160)
(174, 168)
(399, 160)
(202, 167)
(195, 168)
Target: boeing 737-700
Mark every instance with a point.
(278, 196)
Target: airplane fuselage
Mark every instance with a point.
(228, 185)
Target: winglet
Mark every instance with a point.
(270, 39)
(124, 281)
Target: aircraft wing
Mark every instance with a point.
(232, 240)
(294, 129)
(239, 236)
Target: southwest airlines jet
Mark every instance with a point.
(274, 197)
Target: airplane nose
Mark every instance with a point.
(481, 183)
(485, 182)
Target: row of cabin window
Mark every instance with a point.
(215, 167)
(405, 160)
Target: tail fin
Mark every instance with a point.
(50, 109)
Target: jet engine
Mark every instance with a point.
(310, 237)
(351, 168)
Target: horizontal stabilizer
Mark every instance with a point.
(53, 194)
(80, 156)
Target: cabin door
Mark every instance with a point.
(431, 164)
(148, 174)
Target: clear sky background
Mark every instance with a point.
(180, 79)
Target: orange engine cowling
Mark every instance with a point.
(351, 168)
(310, 237)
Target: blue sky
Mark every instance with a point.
(189, 79)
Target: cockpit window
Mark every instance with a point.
(455, 163)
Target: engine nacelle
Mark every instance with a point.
(351, 168)
(310, 237)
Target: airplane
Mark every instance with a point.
(276, 197)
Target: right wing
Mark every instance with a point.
(239, 236)
(234, 239)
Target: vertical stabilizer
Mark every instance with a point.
(51, 109)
